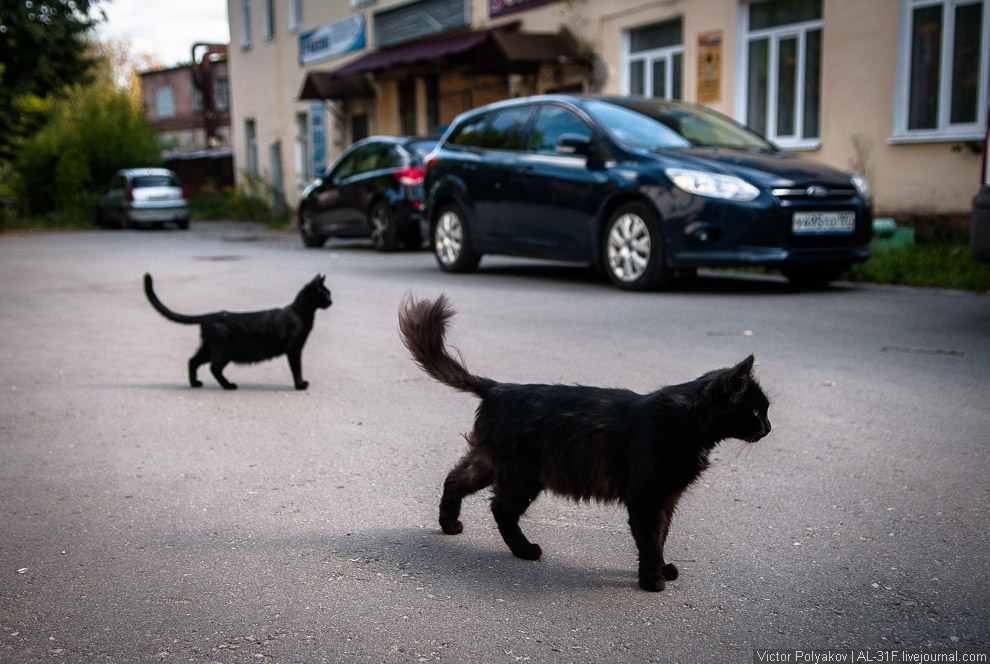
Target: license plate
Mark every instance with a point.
(818, 223)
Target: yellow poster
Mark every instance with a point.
(710, 67)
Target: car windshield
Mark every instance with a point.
(643, 124)
(153, 181)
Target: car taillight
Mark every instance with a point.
(411, 176)
(130, 194)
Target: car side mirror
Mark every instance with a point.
(575, 144)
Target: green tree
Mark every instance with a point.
(44, 47)
(88, 135)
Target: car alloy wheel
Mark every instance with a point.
(309, 236)
(633, 249)
(383, 235)
(451, 243)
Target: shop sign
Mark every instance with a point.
(331, 40)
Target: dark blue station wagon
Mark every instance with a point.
(644, 189)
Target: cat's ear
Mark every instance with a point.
(735, 380)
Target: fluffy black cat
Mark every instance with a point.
(245, 338)
(610, 445)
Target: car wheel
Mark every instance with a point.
(632, 249)
(183, 224)
(307, 228)
(383, 235)
(452, 241)
(815, 276)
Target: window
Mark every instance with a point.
(506, 129)
(251, 136)
(295, 15)
(269, 6)
(782, 49)
(942, 70)
(653, 60)
(197, 100)
(245, 23)
(552, 123)
(221, 93)
(304, 162)
(165, 102)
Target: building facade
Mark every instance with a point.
(893, 89)
(190, 106)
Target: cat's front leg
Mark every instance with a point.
(644, 522)
(295, 365)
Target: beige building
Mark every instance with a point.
(893, 89)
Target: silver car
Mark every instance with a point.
(143, 196)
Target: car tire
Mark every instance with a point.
(633, 249)
(183, 224)
(307, 228)
(815, 276)
(381, 227)
(452, 241)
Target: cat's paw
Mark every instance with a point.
(527, 551)
(669, 572)
(451, 527)
(652, 583)
(230, 386)
(302, 385)
(195, 383)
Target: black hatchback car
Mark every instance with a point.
(642, 188)
(374, 189)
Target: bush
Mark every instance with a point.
(942, 262)
(87, 137)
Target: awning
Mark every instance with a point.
(496, 50)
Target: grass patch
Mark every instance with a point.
(940, 263)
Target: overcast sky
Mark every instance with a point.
(165, 29)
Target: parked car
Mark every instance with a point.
(374, 189)
(641, 188)
(143, 196)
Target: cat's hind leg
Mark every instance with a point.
(201, 357)
(216, 368)
(645, 524)
(471, 474)
(512, 497)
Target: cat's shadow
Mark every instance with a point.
(426, 557)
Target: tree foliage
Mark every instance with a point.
(88, 135)
(44, 46)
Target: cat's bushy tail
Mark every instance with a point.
(423, 326)
(165, 311)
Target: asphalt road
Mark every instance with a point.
(144, 521)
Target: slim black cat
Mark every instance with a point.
(611, 445)
(254, 336)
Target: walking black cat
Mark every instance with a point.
(245, 338)
(610, 445)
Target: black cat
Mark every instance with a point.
(254, 336)
(611, 445)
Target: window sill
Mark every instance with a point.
(937, 137)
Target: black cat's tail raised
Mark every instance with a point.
(165, 311)
(423, 326)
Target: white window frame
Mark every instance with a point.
(251, 143)
(269, 19)
(304, 161)
(945, 130)
(245, 23)
(648, 58)
(775, 35)
(295, 15)
(165, 102)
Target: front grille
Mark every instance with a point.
(813, 193)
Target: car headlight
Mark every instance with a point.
(713, 185)
(862, 185)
